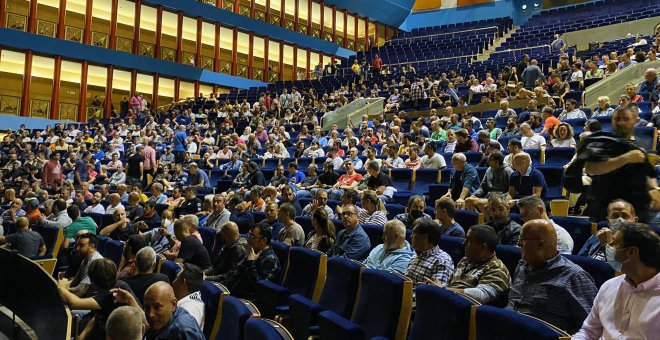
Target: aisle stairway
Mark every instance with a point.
(495, 44)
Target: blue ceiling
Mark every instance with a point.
(389, 12)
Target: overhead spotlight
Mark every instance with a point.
(524, 7)
(536, 5)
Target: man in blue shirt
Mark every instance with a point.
(464, 180)
(81, 174)
(650, 85)
(199, 179)
(525, 180)
(166, 320)
(445, 210)
(295, 176)
(180, 141)
(352, 242)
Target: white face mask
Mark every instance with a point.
(165, 223)
(615, 223)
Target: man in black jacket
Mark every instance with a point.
(231, 256)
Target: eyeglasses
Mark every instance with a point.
(253, 236)
(348, 213)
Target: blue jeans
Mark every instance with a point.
(335, 194)
(304, 194)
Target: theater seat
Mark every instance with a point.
(305, 275)
(235, 313)
(467, 218)
(510, 256)
(440, 309)
(265, 329)
(423, 179)
(558, 156)
(213, 295)
(579, 228)
(53, 238)
(114, 251)
(498, 323)
(375, 233)
(601, 271)
(401, 178)
(452, 246)
(281, 249)
(383, 309)
(208, 237)
(169, 268)
(338, 296)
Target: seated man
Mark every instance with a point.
(531, 208)
(547, 285)
(480, 274)
(496, 180)
(219, 216)
(243, 219)
(530, 139)
(199, 179)
(598, 246)
(120, 229)
(25, 241)
(187, 286)
(525, 180)
(145, 262)
(352, 242)
(379, 181)
(463, 181)
(191, 205)
(192, 250)
(414, 211)
(445, 210)
(81, 285)
(166, 320)
(291, 232)
(508, 230)
(320, 201)
(349, 180)
(232, 254)
(261, 263)
(79, 223)
(637, 248)
(395, 252)
(571, 111)
(430, 263)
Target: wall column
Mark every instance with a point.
(60, 21)
(113, 25)
(198, 50)
(87, 33)
(234, 53)
(27, 80)
(179, 38)
(136, 27)
(82, 100)
(107, 103)
(250, 54)
(55, 94)
(216, 48)
(32, 17)
(159, 31)
(154, 92)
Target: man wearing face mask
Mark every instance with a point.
(414, 211)
(598, 246)
(627, 306)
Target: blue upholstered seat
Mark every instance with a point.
(305, 275)
(600, 271)
(494, 323)
(424, 178)
(213, 295)
(440, 309)
(338, 296)
(208, 237)
(169, 269)
(264, 329)
(114, 251)
(579, 228)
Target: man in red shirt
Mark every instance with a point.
(347, 181)
(550, 121)
(52, 170)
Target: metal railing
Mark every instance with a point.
(615, 85)
(446, 33)
(522, 49)
(349, 115)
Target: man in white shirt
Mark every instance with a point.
(114, 203)
(432, 160)
(571, 111)
(530, 140)
(187, 286)
(628, 306)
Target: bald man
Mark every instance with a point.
(546, 285)
(525, 180)
(232, 254)
(166, 320)
(126, 323)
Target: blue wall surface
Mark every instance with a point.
(389, 12)
(14, 122)
(456, 15)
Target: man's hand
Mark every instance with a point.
(634, 156)
(434, 282)
(64, 283)
(251, 255)
(460, 203)
(605, 236)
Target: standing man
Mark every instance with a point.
(150, 162)
(625, 173)
(135, 166)
(180, 142)
(52, 170)
(377, 65)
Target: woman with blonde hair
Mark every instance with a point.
(603, 109)
(373, 209)
(323, 235)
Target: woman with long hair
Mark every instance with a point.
(564, 138)
(373, 209)
(323, 235)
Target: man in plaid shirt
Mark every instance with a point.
(430, 264)
(416, 92)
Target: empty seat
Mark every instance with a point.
(498, 323)
(558, 156)
(281, 249)
(600, 271)
(235, 313)
(424, 178)
(305, 275)
(213, 295)
(208, 237)
(554, 179)
(510, 256)
(383, 309)
(401, 178)
(169, 268)
(338, 296)
(114, 250)
(265, 329)
(53, 238)
(440, 309)
(466, 218)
